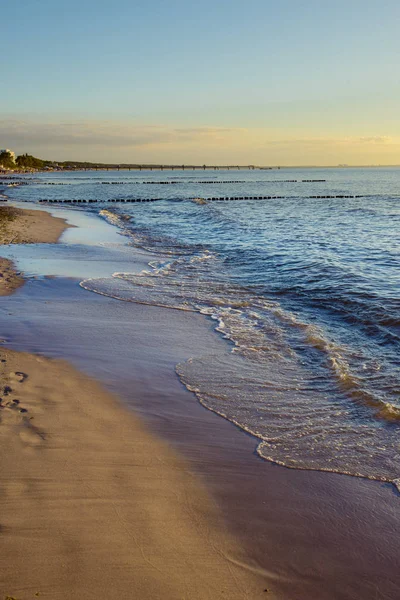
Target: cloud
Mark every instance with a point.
(302, 142)
(375, 139)
(117, 141)
(103, 133)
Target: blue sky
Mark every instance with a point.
(211, 81)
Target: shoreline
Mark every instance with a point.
(315, 534)
(92, 502)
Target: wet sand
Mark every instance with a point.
(314, 535)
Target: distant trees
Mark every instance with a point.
(30, 162)
(7, 160)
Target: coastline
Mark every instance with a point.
(93, 505)
(315, 534)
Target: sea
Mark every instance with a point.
(299, 271)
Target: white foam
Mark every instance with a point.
(264, 384)
(396, 483)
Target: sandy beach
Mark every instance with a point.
(93, 505)
(19, 226)
(24, 226)
(301, 535)
(10, 279)
(200, 301)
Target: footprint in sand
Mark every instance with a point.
(18, 376)
(12, 404)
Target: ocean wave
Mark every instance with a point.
(309, 368)
(283, 380)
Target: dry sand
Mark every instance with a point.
(19, 226)
(93, 506)
(10, 279)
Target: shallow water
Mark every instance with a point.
(305, 290)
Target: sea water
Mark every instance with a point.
(305, 290)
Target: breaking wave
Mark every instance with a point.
(311, 400)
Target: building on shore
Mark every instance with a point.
(9, 152)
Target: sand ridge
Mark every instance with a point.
(23, 226)
(20, 226)
(10, 279)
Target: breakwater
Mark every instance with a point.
(213, 199)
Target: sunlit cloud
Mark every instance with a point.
(106, 133)
(117, 141)
(376, 139)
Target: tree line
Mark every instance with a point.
(24, 161)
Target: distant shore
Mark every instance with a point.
(71, 167)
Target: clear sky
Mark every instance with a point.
(263, 82)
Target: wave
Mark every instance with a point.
(282, 379)
(314, 401)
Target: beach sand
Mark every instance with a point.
(10, 279)
(92, 504)
(19, 226)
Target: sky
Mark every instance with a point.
(289, 82)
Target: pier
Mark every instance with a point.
(198, 182)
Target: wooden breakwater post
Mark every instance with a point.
(95, 200)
